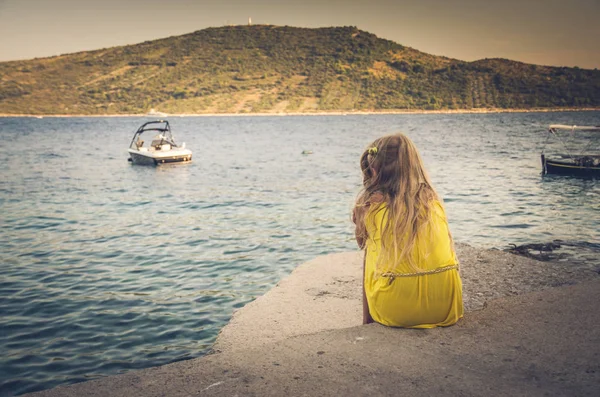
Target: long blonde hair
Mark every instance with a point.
(392, 167)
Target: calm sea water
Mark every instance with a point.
(108, 267)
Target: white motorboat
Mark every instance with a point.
(162, 148)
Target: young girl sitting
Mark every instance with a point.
(411, 274)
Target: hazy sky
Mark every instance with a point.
(545, 32)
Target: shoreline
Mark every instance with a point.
(332, 113)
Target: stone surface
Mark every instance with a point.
(325, 293)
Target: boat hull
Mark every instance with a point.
(557, 167)
(160, 158)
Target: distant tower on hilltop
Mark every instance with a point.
(249, 21)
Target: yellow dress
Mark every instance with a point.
(415, 301)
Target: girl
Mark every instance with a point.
(411, 274)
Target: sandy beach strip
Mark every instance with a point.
(332, 113)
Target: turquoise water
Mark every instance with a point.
(108, 267)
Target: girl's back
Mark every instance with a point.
(399, 295)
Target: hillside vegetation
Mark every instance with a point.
(262, 68)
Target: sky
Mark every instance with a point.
(542, 32)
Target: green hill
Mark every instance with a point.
(262, 68)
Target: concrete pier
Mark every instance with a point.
(530, 328)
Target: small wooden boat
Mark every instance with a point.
(583, 160)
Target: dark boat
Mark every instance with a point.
(582, 161)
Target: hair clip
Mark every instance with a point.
(373, 150)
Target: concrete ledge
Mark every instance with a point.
(303, 338)
(325, 293)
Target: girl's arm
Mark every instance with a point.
(367, 319)
(361, 235)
